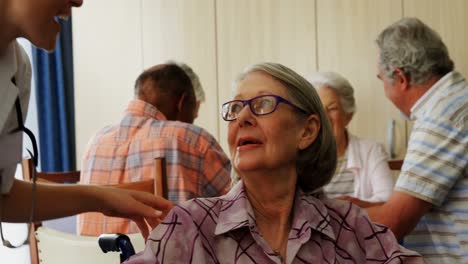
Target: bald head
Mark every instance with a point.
(168, 88)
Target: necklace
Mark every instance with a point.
(284, 228)
(280, 257)
(278, 254)
(278, 249)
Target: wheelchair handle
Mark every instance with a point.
(117, 243)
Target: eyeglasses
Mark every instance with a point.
(259, 105)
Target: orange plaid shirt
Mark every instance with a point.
(196, 165)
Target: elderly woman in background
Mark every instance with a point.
(283, 149)
(362, 170)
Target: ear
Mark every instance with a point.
(181, 102)
(348, 117)
(197, 108)
(310, 132)
(401, 78)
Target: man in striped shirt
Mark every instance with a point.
(429, 205)
(196, 165)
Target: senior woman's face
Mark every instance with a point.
(267, 141)
(339, 119)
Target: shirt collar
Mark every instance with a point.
(236, 213)
(352, 154)
(142, 108)
(419, 108)
(235, 210)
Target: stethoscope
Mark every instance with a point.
(34, 155)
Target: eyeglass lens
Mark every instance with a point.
(261, 106)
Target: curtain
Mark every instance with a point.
(55, 103)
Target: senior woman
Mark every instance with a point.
(283, 149)
(362, 170)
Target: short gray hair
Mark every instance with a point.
(315, 164)
(197, 86)
(339, 85)
(415, 48)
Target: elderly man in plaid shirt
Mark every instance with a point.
(157, 123)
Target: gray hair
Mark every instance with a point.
(339, 85)
(315, 164)
(197, 86)
(416, 49)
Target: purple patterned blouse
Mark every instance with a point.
(223, 230)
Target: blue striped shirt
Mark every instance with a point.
(435, 170)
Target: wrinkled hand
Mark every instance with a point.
(360, 203)
(346, 198)
(145, 209)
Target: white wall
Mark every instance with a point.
(133, 36)
(219, 38)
